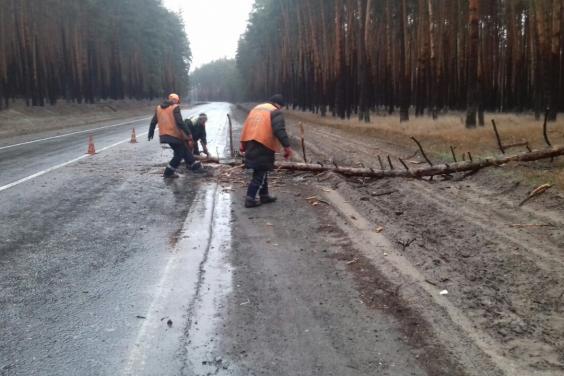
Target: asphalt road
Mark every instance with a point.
(90, 252)
(106, 269)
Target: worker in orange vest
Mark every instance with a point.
(174, 132)
(263, 132)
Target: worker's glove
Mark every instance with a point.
(151, 135)
(288, 153)
(242, 148)
(206, 152)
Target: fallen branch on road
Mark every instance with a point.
(536, 192)
(434, 170)
(531, 225)
(379, 194)
(430, 171)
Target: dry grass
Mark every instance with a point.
(437, 137)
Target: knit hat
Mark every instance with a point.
(277, 99)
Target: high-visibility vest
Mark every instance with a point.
(258, 127)
(167, 122)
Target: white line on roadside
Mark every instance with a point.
(199, 243)
(37, 174)
(72, 133)
(137, 354)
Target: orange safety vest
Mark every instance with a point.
(167, 122)
(258, 127)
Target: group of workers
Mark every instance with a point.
(177, 133)
(263, 134)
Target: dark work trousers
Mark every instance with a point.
(259, 184)
(180, 152)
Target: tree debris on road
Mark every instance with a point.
(470, 166)
(536, 192)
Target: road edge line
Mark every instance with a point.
(71, 134)
(61, 165)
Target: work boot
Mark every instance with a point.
(197, 167)
(170, 174)
(251, 203)
(267, 199)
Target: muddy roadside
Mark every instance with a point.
(307, 302)
(336, 250)
(503, 274)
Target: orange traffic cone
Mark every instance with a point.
(133, 137)
(91, 148)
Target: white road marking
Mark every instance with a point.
(37, 174)
(72, 133)
(137, 354)
(182, 270)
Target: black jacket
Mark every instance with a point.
(198, 131)
(179, 123)
(258, 156)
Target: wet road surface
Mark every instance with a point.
(105, 269)
(90, 254)
(24, 156)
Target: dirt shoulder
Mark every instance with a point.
(470, 238)
(19, 120)
(315, 305)
(501, 264)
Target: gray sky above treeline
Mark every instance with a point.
(213, 26)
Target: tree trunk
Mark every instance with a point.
(442, 169)
(544, 86)
(433, 76)
(405, 82)
(555, 59)
(473, 94)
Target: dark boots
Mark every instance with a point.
(253, 203)
(267, 199)
(170, 173)
(258, 184)
(197, 168)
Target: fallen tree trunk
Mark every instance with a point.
(442, 169)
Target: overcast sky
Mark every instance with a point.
(213, 26)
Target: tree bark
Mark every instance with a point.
(473, 94)
(405, 82)
(443, 169)
(555, 59)
(440, 169)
